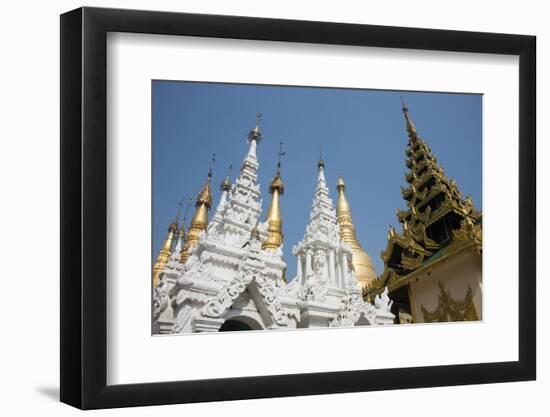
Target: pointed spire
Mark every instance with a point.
(322, 209)
(343, 206)
(225, 187)
(199, 223)
(362, 263)
(321, 181)
(244, 214)
(164, 253)
(205, 196)
(254, 137)
(411, 128)
(273, 219)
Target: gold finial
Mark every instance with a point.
(164, 253)
(342, 206)
(277, 182)
(205, 196)
(273, 219)
(199, 222)
(255, 133)
(226, 184)
(362, 263)
(411, 128)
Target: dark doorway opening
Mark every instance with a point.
(234, 325)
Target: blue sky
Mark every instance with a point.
(362, 134)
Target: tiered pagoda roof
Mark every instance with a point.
(438, 220)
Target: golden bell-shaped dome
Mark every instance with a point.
(361, 261)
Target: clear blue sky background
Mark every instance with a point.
(362, 133)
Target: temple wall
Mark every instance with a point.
(455, 275)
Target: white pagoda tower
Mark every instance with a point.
(332, 294)
(229, 278)
(232, 278)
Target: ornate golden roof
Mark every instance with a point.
(361, 261)
(438, 222)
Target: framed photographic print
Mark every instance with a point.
(258, 207)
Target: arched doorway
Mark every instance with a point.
(240, 322)
(233, 325)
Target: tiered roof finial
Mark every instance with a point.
(273, 219)
(411, 128)
(361, 261)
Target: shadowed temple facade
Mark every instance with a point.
(227, 271)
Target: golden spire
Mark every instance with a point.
(411, 128)
(199, 222)
(274, 219)
(164, 253)
(362, 263)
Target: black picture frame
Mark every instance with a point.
(84, 207)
